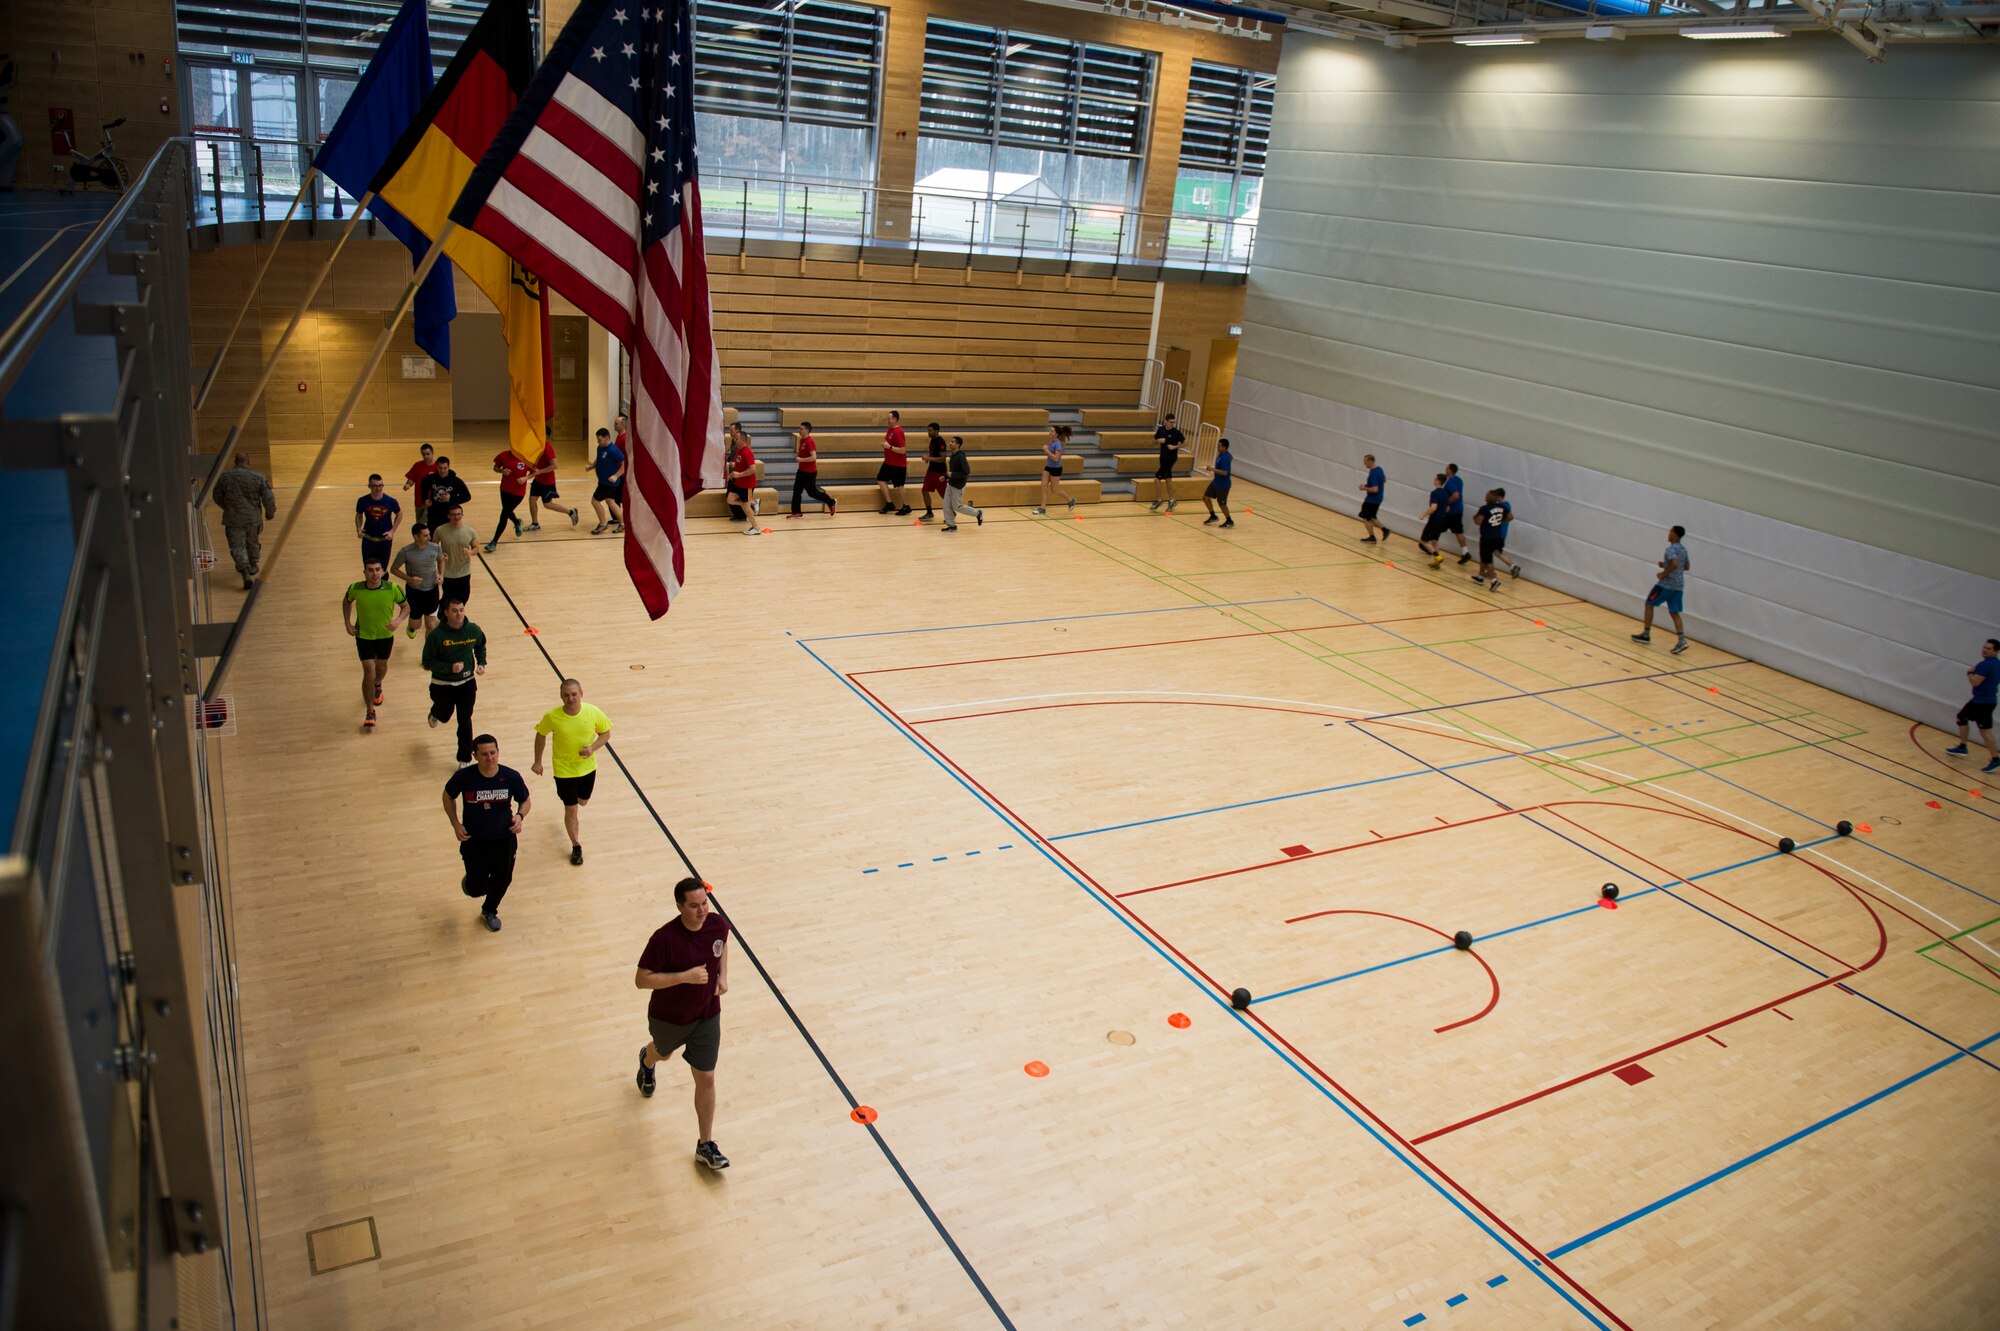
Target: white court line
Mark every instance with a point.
(1624, 777)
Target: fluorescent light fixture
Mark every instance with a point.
(1604, 32)
(1737, 33)
(1498, 39)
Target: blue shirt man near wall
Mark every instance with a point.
(1371, 501)
(1218, 486)
(1455, 513)
(1668, 589)
(1984, 677)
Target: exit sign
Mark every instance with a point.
(242, 58)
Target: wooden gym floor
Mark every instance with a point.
(1013, 799)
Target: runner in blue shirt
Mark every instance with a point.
(1667, 590)
(1493, 519)
(1436, 521)
(1218, 486)
(1371, 501)
(1455, 515)
(1985, 680)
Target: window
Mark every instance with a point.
(786, 97)
(1022, 139)
(1223, 143)
(336, 35)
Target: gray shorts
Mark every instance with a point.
(703, 1040)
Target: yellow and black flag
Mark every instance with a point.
(425, 172)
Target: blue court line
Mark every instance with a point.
(1550, 919)
(1496, 1282)
(1324, 790)
(1796, 961)
(1455, 1300)
(1755, 1156)
(1058, 619)
(1532, 1266)
(1413, 1319)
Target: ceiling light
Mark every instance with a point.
(1498, 39)
(1396, 40)
(1736, 33)
(1604, 32)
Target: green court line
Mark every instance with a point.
(1959, 973)
(1953, 938)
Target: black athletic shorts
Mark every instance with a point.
(377, 649)
(892, 475)
(1976, 714)
(1488, 547)
(376, 550)
(543, 491)
(1434, 527)
(422, 603)
(615, 493)
(737, 492)
(576, 789)
(703, 1040)
(1370, 509)
(1216, 490)
(1167, 467)
(1455, 524)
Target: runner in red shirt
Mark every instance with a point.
(514, 472)
(742, 483)
(686, 965)
(895, 467)
(805, 481)
(422, 467)
(542, 490)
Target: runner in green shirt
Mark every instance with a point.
(371, 611)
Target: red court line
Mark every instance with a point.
(1881, 950)
(1300, 859)
(1139, 922)
(1349, 623)
(1129, 702)
(1452, 1026)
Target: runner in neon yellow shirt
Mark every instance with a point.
(579, 731)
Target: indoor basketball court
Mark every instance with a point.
(988, 1060)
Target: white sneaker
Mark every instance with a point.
(1041, 512)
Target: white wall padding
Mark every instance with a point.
(1891, 629)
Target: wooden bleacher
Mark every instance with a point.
(821, 332)
(1000, 494)
(914, 418)
(1145, 464)
(1120, 418)
(983, 464)
(1019, 441)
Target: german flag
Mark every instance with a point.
(427, 169)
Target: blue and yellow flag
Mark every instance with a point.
(391, 92)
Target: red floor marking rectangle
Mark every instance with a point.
(1632, 1074)
(1296, 850)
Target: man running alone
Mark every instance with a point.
(686, 966)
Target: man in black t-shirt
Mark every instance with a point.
(439, 491)
(495, 800)
(1170, 439)
(934, 471)
(686, 966)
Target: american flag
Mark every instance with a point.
(592, 184)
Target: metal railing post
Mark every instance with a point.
(1021, 255)
(805, 219)
(743, 225)
(215, 183)
(257, 156)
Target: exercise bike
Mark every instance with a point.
(103, 167)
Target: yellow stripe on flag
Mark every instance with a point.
(424, 190)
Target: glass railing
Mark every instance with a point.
(256, 181)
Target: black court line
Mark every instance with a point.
(875, 1133)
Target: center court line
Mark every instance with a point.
(770, 983)
(1772, 1149)
(1454, 1193)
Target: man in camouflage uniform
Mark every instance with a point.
(246, 501)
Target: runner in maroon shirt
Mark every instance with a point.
(515, 473)
(686, 965)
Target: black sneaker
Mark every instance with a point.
(1465, 558)
(902, 512)
(1211, 521)
(1642, 637)
(1230, 523)
(888, 508)
(645, 1077)
(1368, 540)
(576, 854)
(1514, 570)
(979, 518)
(491, 920)
(711, 1155)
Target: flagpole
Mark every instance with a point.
(271, 363)
(347, 411)
(208, 380)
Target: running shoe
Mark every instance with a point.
(1481, 581)
(533, 526)
(1072, 503)
(491, 921)
(711, 1155)
(1368, 540)
(368, 722)
(600, 529)
(576, 854)
(1155, 507)
(1957, 750)
(574, 517)
(888, 508)
(645, 1077)
(1679, 647)
(979, 518)
(1642, 637)
(1230, 523)
(1993, 766)
(1041, 512)
(378, 695)
(902, 512)
(1514, 571)
(517, 525)
(491, 546)
(432, 717)
(1212, 520)
(947, 529)
(1173, 504)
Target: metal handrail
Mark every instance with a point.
(858, 211)
(23, 337)
(1207, 443)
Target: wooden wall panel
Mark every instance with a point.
(101, 60)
